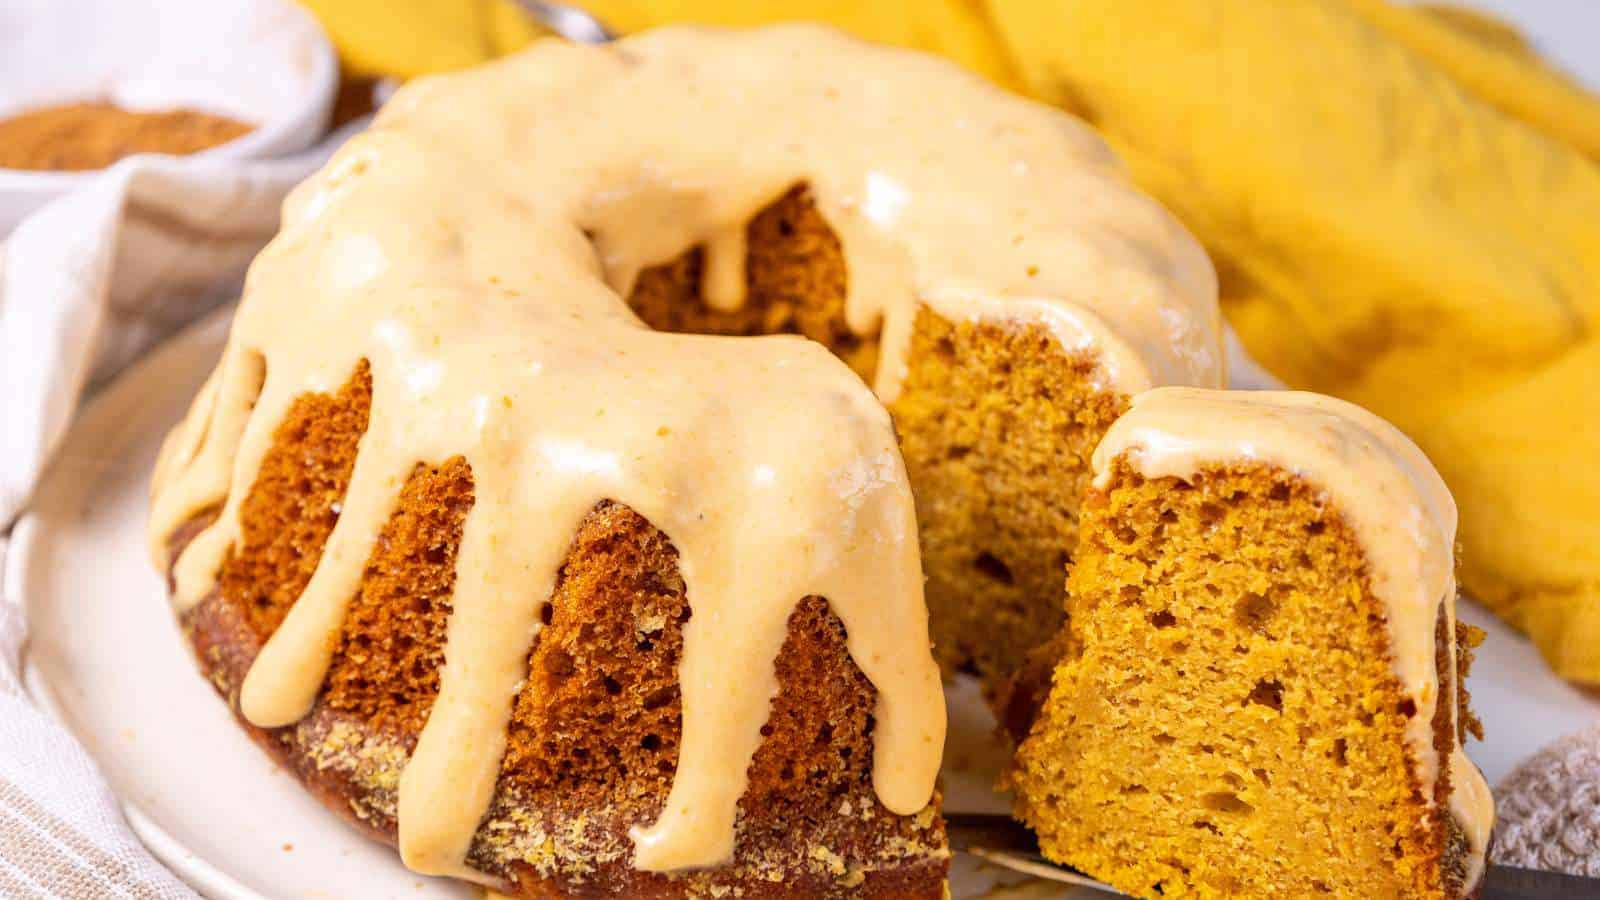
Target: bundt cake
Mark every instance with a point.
(1260, 689)
(518, 523)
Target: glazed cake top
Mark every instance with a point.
(475, 246)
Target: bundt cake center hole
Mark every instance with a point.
(795, 282)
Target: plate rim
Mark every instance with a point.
(26, 536)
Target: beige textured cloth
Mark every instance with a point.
(1549, 808)
(61, 833)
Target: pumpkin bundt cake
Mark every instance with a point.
(1260, 693)
(518, 522)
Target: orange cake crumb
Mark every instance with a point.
(1226, 722)
(996, 425)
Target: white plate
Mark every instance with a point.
(108, 660)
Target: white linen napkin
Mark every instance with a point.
(172, 230)
(96, 277)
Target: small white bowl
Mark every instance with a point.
(264, 62)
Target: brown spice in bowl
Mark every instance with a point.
(82, 136)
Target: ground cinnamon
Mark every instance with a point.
(82, 136)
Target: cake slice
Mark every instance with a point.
(1260, 631)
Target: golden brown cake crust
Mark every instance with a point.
(593, 742)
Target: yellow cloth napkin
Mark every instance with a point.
(381, 38)
(1385, 233)
(1401, 204)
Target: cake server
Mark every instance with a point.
(1004, 842)
(569, 21)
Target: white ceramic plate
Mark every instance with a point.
(106, 658)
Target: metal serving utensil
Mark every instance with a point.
(571, 22)
(1008, 844)
(998, 839)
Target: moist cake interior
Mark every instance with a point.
(1225, 697)
(997, 424)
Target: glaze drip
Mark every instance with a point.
(474, 247)
(1392, 497)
